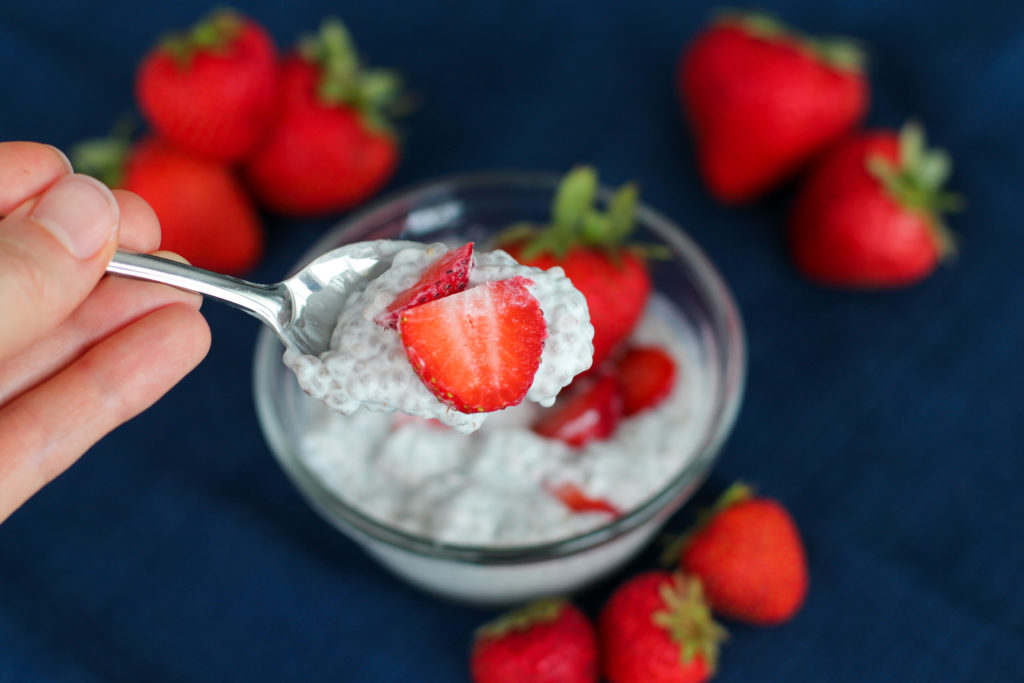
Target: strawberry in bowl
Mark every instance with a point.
(512, 511)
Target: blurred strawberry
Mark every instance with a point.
(590, 245)
(748, 553)
(548, 641)
(762, 100)
(869, 214)
(205, 214)
(576, 500)
(646, 375)
(588, 410)
(657, 628)
(211, 90)
(331, 147)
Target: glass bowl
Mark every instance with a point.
(475, 207)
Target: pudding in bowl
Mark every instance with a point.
(507, 514)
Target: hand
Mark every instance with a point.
(79, 353)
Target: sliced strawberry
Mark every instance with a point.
(646, 375)
(590, 410)
(478, 350)
(577, 501)
(448, 275)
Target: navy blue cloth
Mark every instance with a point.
(891, 424)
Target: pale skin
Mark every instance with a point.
(80, 353)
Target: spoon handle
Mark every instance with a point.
(269, 303)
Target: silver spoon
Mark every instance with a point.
(303, 310)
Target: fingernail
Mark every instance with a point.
(64, 158)
(80, 212)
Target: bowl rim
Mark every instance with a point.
(726, 320)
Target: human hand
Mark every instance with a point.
(79, 353)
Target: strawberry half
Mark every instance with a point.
(477, 351)
(646, 377)
(590, 409)
(211, 90)
(448, 275)
(577, 501)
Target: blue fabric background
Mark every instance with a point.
(890, 424)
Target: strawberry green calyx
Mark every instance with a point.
(576, 220)
(375, 93)
(736, 493)
(215, 32)
(916, 182)
(688, 620)
(104, 158)
(542, 611)
(838, 52)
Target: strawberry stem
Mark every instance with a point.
(916, 182)
(839, 52)
(687, 618)
(540, 611)
(576, 220)
(104, 158)
(375, 93)
(213, 32)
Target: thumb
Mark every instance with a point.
(53, 250)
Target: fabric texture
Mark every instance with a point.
(891, 424)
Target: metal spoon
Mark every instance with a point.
(303, 309)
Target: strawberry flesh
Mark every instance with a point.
(591, 410)
(577, 501)
(478, 350)
(646, 376)
(448, 275)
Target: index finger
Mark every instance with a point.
(26, 169)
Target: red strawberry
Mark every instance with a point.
(448, 275)
(750, 558)
(646, 375)
(549, 641)
(868, 214)
(330, 148)
(589, 409)
(205, 214)
(590, 246)
(477, 350)
(657, 628)
(577, 501)
(762, 100)
(212, 90)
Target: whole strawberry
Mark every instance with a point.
(331, 147)
(211, 90)
(762, 100)
(549, 641)
(749, 556)
(590, 245)
(205, 214)
(869, 213)
(657, 628)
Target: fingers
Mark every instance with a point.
(43, 431)
(26, 169)
(139, 229)
(114, 304)
(53, 251)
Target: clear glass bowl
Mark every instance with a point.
(474, 208)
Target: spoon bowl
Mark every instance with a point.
(302, 310)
